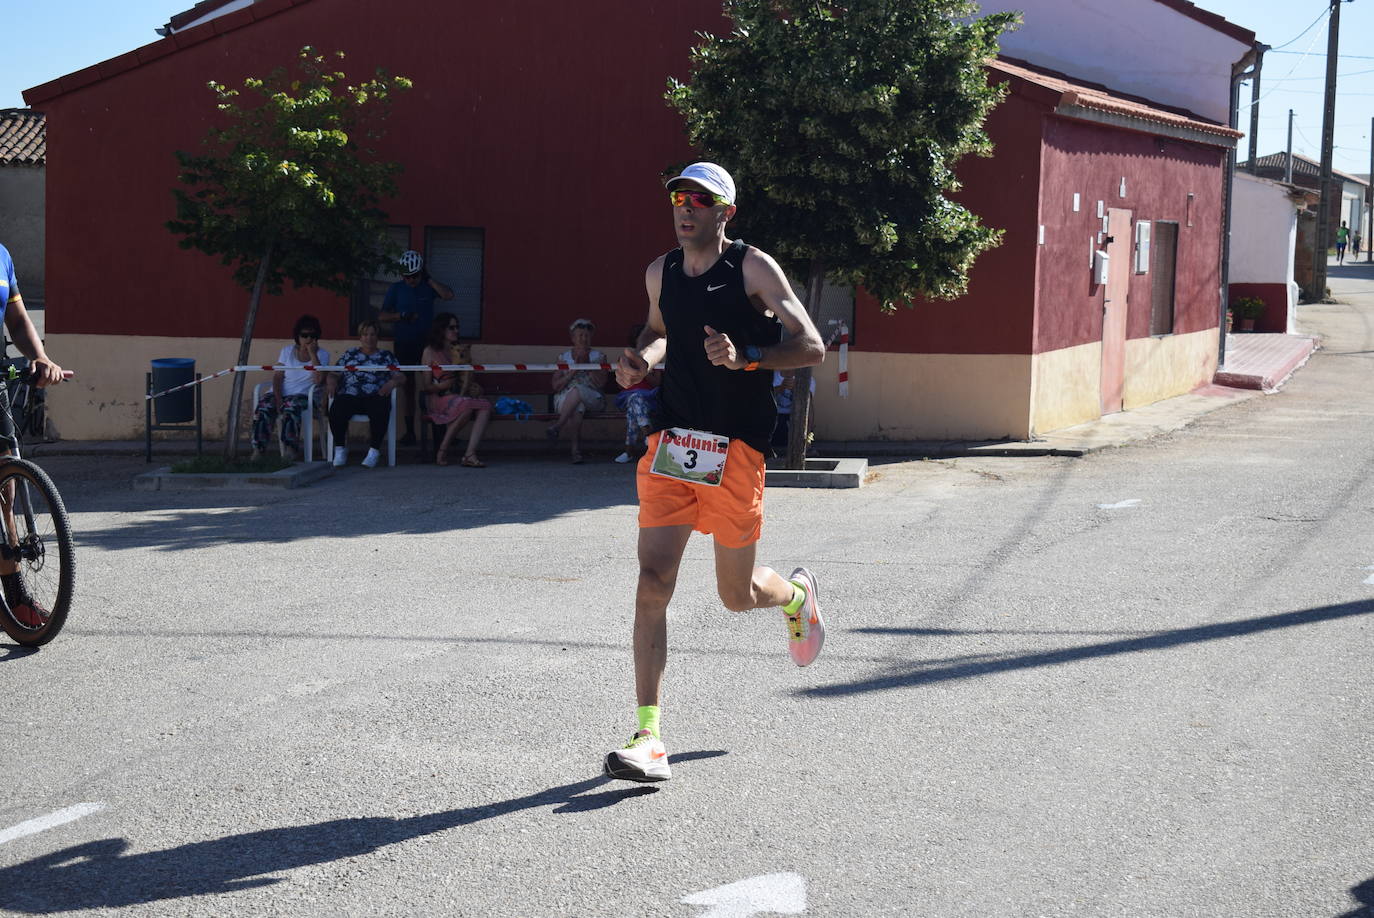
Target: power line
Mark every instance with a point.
(1341, 75)
(1313, 92)
(1324, 13)
(1344, 57)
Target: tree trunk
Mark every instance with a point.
(231, 435)
(799, 429)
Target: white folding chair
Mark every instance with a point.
(390, 431)
(308, 421)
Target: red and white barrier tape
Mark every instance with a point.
(399, 368)
(844, 361)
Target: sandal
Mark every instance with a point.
(472, 462)
(441, 457)
(577, 458)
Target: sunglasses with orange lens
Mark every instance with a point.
(683, 196)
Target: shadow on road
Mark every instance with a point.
(1350, 269)
(11, 652)
(408, 500)
(99, 874)
(929, 673)
(1363, 894)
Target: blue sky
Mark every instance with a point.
(49, 38)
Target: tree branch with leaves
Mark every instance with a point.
(288, 188)
(842, 126)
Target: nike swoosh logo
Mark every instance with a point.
(710, 289)
(657, 755)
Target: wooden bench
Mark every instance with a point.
(534, 390)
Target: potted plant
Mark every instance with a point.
(1246, 310)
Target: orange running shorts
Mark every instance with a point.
(731, 511)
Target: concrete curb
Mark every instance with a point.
(296, 476)
(820, 473)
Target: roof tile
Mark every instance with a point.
(23, 137)
(1100, 98)
(1302, 165)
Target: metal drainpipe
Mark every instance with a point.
(1239, 71)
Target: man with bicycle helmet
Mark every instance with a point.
(20, 329)
(409, 305)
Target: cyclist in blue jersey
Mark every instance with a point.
(409, 305)
(45, 373)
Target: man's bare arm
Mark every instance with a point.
(648, 351)
(25, 338)
(765, 282)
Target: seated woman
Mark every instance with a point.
(577, 391)
(453, 395)
(638, 402)
(290, 395)
(362, 392)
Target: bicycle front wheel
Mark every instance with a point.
(38, 545)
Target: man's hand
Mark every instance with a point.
(631, 369)
(720, 350)
(46, 373)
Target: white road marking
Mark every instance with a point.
(34, 826)
(1119, 505)
(778, 893)
(1370, 578)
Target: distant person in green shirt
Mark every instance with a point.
(1342, 236)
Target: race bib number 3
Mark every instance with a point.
(693, 456)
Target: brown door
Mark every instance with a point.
(1118, 248)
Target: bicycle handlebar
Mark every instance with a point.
(26, 376)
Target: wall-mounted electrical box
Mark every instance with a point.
(1100, 261)
(1142, 247)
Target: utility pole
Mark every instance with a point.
(1368, 239)
(1288, 160)
(1254, 116)
(1333, 48)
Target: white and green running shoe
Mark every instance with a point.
(643, 758)
(805, 627)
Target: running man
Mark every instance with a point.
(45, 373)
(1342, 237)
(709, 315)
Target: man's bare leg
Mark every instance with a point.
(743, 585)
(660, 555)
(644, 758)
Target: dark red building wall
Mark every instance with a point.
(551, 139)
(1091, 159)
(996, 315)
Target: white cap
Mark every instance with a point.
(709, 176)
(588, 324)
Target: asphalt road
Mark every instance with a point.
(1136, 683)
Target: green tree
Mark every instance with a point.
(289, 187)
(842, 126)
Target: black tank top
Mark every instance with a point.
(694, 392)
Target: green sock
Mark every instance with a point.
(798, 597)
(648, 717)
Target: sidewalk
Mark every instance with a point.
(1263, 362)
(1113, 430)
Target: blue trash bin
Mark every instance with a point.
(179, 407)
